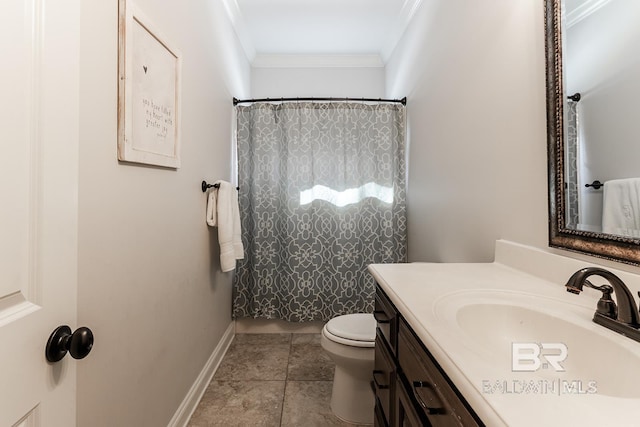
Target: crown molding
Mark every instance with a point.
(398, 28)
(240, 27)
(584, 10)
(257, 60)
(317, 61)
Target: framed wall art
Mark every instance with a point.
(148, 92)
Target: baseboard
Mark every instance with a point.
(191, 400)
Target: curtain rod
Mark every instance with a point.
(237, 101)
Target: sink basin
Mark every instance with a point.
(486, 324)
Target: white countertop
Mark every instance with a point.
(420, 290)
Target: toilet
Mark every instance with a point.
(349, 340)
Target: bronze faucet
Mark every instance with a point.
(623, 318)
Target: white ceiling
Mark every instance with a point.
(340, 32)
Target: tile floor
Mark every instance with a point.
(279, 380)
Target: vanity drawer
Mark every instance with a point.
(386, 317)
(428, 387)
(384, 374)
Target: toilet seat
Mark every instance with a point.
(355, 330)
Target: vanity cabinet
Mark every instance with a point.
(384, 378)
(411, 388)
(386, 317)
(384, 373)
(406, 414)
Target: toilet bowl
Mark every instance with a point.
(349, 340)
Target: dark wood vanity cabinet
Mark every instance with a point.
(384, 373)
(384, 378)
(406, 414)
(386, 317)
(411, 389)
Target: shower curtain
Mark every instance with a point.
(322, 195)
(571, 162)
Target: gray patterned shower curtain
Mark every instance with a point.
(571, 164)
(322, 195)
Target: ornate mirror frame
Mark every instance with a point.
(601, 245)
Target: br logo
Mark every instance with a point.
(531, 356)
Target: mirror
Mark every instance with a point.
(592, 64)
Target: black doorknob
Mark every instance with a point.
(61, 341)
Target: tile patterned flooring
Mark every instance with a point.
(279, 380)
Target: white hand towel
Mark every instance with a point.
(228, 222)
(212, 210)
(621, 207)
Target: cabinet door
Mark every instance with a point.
(384, 374)
(406, 415)
(379, 419)
(428, 386)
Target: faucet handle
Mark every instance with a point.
(606, 306)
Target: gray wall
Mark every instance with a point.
(150, 284)
(474, 76)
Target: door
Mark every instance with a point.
(39, 66)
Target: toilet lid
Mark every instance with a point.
(355, 327)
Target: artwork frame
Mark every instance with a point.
(149, 92)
